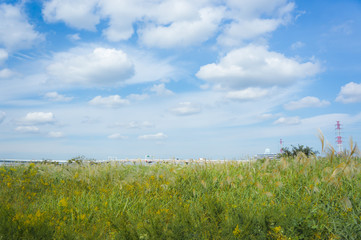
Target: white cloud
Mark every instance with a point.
(149, 68)
(247, 29)
(157, 136)
(139, 125)
(3, 55)
(137, 97)
(15, 31)
(173, 23)
(2, 116)
(248, 94)
(102, 66)
(56, 134)
(288, 121)
(297, 45)
(255, 66)
(39, 118)
(183, 33)
(27, 129)
(134, 125)
(252, 19)
(113, 101)
(306, 102)
(74, 37)
(121, 15)
(343, 28)
(75, 13)
(186, 108)
(252, 8)
(56, 97)
(350, 93)
(161, 90)
(266, 116)
(6, 73)
(117, 136)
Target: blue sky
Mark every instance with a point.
(176, 78)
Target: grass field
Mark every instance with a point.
(291, 198)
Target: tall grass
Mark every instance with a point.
(290, 198)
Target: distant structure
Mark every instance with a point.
(281, 148)
(267, 154)
(267, 151)
(338, 136)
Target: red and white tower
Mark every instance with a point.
(338, 136)
(281, 143)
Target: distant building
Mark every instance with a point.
(267, 154)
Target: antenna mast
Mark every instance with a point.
(338, 137)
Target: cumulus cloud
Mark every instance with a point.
(350, 93)
(248, 94)
(121, 15)
(161, 90)
(39, 118)
(27, 129)
(102, 66)
(56, 97)
(6, 73)
(113, 101)
(55, 134)
(75, 13)
(252, 19)
(173, 23)
(256, 66)
(288, 121)
(117, 136)
(185, 109)
(15, 31)
(2, 116)
(157, 136)
(183, 33)
(306, 102)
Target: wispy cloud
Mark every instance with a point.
(117, 136)
(288, 121)
(2, 116)
(248, 94)
(56, 97)
(114, 101)
(186, 108)
(306, 102)
(27, 129)
(55, 134)
(157, 136)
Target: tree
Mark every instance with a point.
(308, 151)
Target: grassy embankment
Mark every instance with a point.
(295, 198)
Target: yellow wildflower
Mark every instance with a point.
(277, 229)
(63, 202)
(237, 231)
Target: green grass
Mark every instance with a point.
(295, 198)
